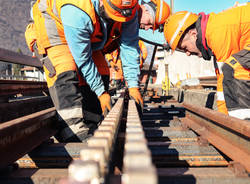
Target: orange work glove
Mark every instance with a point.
(105, 102)
(136, 95)
(30, 36)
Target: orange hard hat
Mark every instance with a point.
(162, 13)
(176, 25)
(121, 10)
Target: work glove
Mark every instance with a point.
(105, 102)
(135, 94)
(30, 36)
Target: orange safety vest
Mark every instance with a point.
(240, 72)
(116, 64)
(112, 57)
(46, 30)
(235, 22)
(143, 52)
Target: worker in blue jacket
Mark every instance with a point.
(75, 35)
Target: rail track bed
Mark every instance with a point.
(185, 144)
(169, 142)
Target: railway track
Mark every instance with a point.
(169, 142)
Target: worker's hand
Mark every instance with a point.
(135, 94)
(30, 36)
(105, 102)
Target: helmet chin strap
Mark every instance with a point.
(124, 12)
(104, 15)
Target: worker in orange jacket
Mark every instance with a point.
(143, 53)
(116, 64)
(152, 14)
(116, 74)
(67, 60)
(72, 38)
(225, 35)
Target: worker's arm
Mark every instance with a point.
(130, 52)
(78, 28)
(153, 37)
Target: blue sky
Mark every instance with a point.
(206, 6)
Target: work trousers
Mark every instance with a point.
(72, 97)
(236, 84)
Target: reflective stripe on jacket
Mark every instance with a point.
(51, 31)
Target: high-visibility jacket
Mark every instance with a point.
(110, 31)
(227, 34)
(50, 40)
(50, 31)
(143, 52)
(46, 30)
(114, 56)
(116, 64)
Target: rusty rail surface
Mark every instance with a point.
(14, 57)
(161, 148)
(169, 143)
(230, 135)
(18, 97)
(21, 135)
(13, 87)
(26, 121)
(210, 81)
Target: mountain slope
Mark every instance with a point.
(14, 17)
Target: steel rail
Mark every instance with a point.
(21, 135)
(23, 106)
(12, 87)
(230, 135)
(158, 138)
(14, 57)
(137, 162)
(97, 154)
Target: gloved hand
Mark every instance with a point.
(136, 95)
(30, 36)
(105, 102)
